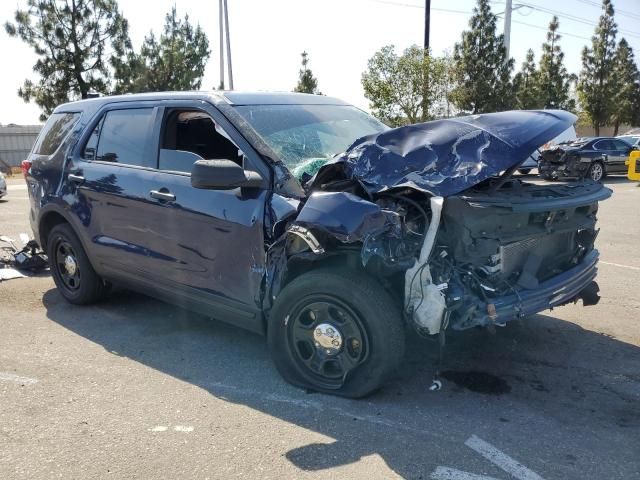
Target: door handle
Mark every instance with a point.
(75, 178)
(159, 195)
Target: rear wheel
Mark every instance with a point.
(524, 171)
(72, 272)
(336, 331)
(596, 171)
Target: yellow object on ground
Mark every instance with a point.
(634, 166)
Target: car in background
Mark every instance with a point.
(3, 185)
(586, 157)
(532, 162)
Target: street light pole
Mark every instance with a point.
(507, 27)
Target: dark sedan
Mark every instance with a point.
(587, 157)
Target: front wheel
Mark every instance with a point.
(524, 171)
(336, 331)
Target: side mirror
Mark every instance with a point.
(223, 175)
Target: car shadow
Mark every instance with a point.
(616, 179)
(551, 368)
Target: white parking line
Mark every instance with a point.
(10, 377)
(446, 473)
(630, 267)
(18, 186)
(501, 459)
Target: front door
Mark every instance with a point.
(211, 241)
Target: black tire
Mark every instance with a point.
(84, 286)
(368, 322)
(596, 172)
(524, 171)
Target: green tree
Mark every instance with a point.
(554, 80)
(307, 83)
(74, 40)
(526, 84)
(175, 61)
(627, 92)
(483, 69)
(596, 87)
(404, 88)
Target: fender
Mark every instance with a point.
(64, 210)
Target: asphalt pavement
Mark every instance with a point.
(135, 388)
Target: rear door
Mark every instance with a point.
(623, 150)
(109, 178)
(605, 150)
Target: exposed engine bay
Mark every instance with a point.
(475, 247)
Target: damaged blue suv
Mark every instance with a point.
(305, 219)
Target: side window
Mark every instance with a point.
(122, 137)
(621, 146)
(603, 145)
(190, 135)
(54, 132)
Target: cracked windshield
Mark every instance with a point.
(305, 137)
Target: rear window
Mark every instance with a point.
(54, 132)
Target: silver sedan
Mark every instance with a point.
(3, 185)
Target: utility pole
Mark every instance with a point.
(226, 21)
(221, 28)
(427, 21)
(425, 80)
(224, 27)
(507, 27)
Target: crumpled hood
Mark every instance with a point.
(445, 157)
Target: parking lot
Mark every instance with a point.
(135, 388)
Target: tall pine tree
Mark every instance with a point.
(74, 40)
(554, 80)
(173, 62)
(526, 85)
(482, 68)
(307, 83)
(627, 92)
(596, 86)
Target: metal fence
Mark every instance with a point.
(15, 144)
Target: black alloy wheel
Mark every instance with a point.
(327, 339)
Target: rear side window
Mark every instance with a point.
(122, 136)
(621, 146)
(54, 132)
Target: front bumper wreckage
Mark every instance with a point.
(570, 286)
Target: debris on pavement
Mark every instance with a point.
(16, 262)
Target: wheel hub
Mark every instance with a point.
(70, 265)
(327, 338)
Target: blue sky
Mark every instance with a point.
(267, 37)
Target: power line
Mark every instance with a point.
(466, 12)
(574, 18)
(564, 34)
(599, 5)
